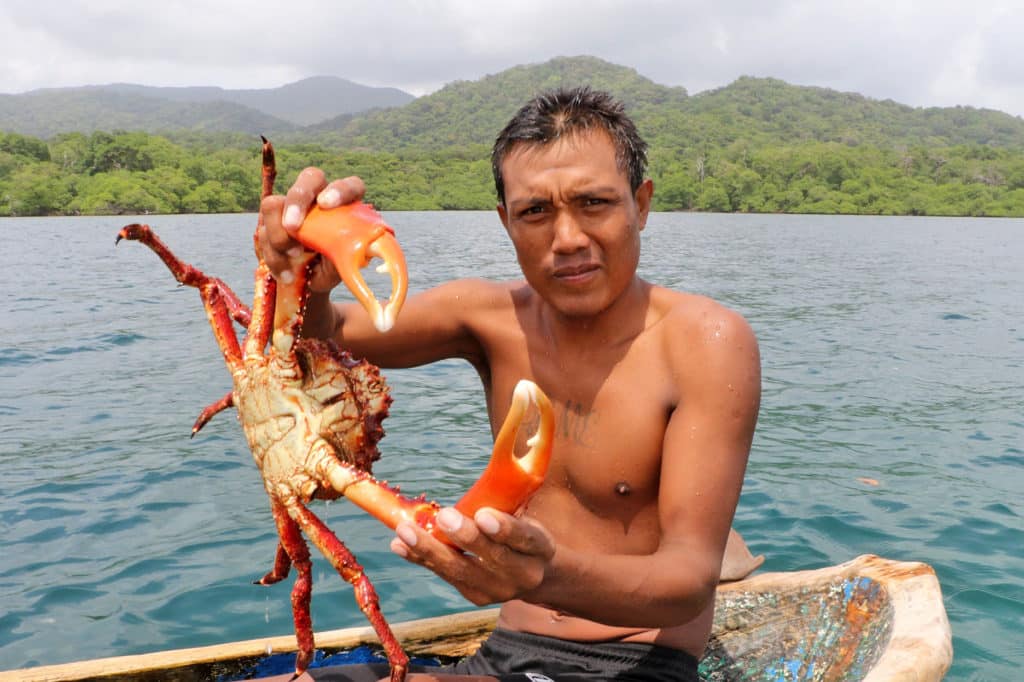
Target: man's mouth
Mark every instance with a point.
(575, 271)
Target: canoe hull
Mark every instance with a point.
(869, 619)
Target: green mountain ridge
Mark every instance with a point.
(126, 106)
(304, 102)
(472, 112)
(755, 145)
(759, 110)
(339, 112)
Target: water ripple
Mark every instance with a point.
(891, 352)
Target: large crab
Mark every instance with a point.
(312, 413)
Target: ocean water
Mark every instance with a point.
(892, 350)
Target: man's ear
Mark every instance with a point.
(503, 214)
(643, 201)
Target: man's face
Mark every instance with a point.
(574, 222)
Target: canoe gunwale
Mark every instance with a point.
(919, 646)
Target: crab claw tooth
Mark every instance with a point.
(509, 481)
(351, 236)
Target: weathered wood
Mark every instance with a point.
(869, 619)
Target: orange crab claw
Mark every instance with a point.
(509, 481)
(506, 484)
(351, 236)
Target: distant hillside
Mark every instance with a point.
(758, 111)
(45, 113)
(49, 112)
(756, 145)
(304, 102)
(792, 113)
(472, 112)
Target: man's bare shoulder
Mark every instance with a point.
(695, 313)
(701, 332)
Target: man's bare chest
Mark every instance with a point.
(610, 421)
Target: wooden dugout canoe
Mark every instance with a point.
(869, 619)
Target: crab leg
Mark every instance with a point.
(296, 552)
(506, 484)
(210, 410)
(282, 565)
(259, 328)
(222, 305)
(352, 572)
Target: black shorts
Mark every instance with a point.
(522, 657)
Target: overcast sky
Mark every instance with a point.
(918, 52)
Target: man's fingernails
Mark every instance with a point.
(397, 547)
(287, 277)
(329, 198)
(449, 519)
(406, 534)
(292, 216)
(486, 522)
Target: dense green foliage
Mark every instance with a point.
(758, 145)
(48, 113)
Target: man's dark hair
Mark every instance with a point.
(564, 112)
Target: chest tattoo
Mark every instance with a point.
(574, 422)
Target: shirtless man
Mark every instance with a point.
(613, 564)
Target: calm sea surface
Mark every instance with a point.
(893, 349)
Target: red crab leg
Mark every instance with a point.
(349, 569)
(259, 329)
(506, 484)
(262, 312)
(297, 552)
(222, 305)
(282, 564)
(210, 410)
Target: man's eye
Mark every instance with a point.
(532, 210)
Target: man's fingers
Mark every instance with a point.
(274, 242)
(344, 191)
(300, 197)
(520, 535)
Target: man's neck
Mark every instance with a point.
(619, 323)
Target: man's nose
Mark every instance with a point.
(569, 234)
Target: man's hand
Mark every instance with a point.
(504, 557)
(282, 216)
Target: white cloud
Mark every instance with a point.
(924, 54)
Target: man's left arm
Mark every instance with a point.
(706, 445)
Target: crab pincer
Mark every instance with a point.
(350, 236)
(506, 484)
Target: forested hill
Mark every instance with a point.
(472, 112)
(124, 106)
(755, 145)
(761, 111)
(304, 102)
(775, 111)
